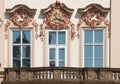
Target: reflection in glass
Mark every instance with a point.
(52, 63)
(21, 51)
(61, 63)
(16, 62)
(52, 37)
(16, 37)
(16, 52)
(62, 57)
(26, 62)
(26, 36)
(26, 51)
(62, 53)
(61, 37)
(52, 57)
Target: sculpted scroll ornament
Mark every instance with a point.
(93, 18)
(57, 17)
(107, 23)
(21, 17)
(6, 29)
(93, 15)
(36, 28)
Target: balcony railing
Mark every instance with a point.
(107, 74)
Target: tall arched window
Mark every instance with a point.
(18, 32)
(95, 34)
(56, 26)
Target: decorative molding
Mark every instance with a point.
(93, 14)
(74, 32)
(36, 28)
(6, 29)
(41, 33)
(57, 16)
(21, 15)
(107, 23)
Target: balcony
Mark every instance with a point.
(61, 75)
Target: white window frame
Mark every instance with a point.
(93, 45)
(21, 44)
(57, 47)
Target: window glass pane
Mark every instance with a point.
(61, 37)
(61, 53)
(16, 62)
(61, 63)
(52, 63)
(88, 52)
(98, 36)
(26, 51)
(52, 57)
(21, 52)
(88, 62)
(52, 53)
(16, 37)
(98, 62)
(16, 52)
(52, 37)
(88, 36)
(26, 63)
(98, 51)
(62, 57)
(88, 56)
(26, 36)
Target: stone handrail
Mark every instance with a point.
(62, 73)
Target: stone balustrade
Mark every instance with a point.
(62, 73)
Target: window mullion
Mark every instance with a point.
(57, 50)
(21, 49)
(93, 49)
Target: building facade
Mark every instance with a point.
(59, 33)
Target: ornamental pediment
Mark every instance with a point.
(93, 14)
(21, 15)
(57, 15)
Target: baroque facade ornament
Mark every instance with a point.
(36, 28)
(21, 15)
(57, 16)
(107, 23)
(6, 29)
(93, 14)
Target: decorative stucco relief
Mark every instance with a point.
(107, 23)
(20, 15)
(35, 24)
(93, 15)
(57, 16)
(6, 29)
